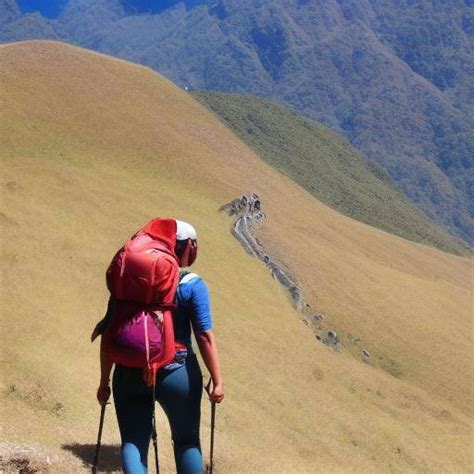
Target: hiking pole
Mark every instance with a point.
(210, 466)
(99, 438)
(154, 435)
(213, 422)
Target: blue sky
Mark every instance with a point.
(53, 8)
(49, 8)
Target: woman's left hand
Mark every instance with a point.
(103, 394)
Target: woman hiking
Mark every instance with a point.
(178, 385)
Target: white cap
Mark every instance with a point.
(185, 231)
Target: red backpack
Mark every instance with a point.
(142, 279)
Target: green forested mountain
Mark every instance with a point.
(394, 77)
(327, 167)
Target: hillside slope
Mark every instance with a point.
(394, 77)
(91, 148)
(326, 166)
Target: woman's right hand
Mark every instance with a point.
(215, 392)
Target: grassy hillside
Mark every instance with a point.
(393, 77)
(91, 148)
(327, 167)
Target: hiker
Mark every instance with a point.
(254, 203)
(178, 386)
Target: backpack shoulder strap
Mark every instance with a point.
(187, 277)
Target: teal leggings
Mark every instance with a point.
(179, 393)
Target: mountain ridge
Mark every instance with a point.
(326, 166)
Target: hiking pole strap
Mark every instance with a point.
(99, 438)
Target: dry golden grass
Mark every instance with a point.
(91, 148)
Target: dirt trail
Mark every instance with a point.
(247, 213)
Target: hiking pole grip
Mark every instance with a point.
(99, 438)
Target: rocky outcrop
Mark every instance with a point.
(247, 213)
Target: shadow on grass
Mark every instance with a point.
(109, 456)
